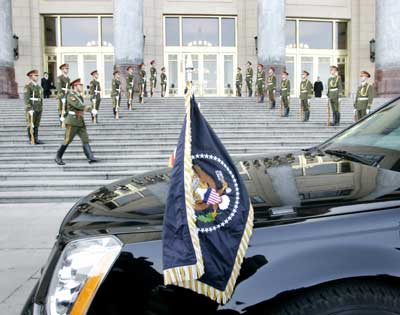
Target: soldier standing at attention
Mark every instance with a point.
(62, 86)
(249, 79)
(271, 87)
(335, 89)
(75, 123)
(364, 98)
(33, 98)
(116, 93)
(163, 78)
(285, 93)
(142, 83)
(130, 86)
(153, 77)
(239, 82)
(260, 83)
(306, 93)
(94, 93)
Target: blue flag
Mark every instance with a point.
(208, 218)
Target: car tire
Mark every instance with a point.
(343, 298)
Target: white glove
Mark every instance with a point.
(31, 112)
(94, 112)
(62, 118)
(368, 111)
(63, 100)
(355, 111)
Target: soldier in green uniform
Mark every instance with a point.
(306, 93)
(116, 93)
(271, 87)
(33, 98)
(142, 83)
(249, 79)
(153, 77)
(75, 123)
(260, 83)
(94, 93)
(365, 96)
(62, 86)
(163, 80)
(285, 93)
(130, 86)
(335, 90)
(239, 82)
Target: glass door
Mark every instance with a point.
(89, 64)
(108, 73)
(229, 72)
(209, 74)
(72, 60)
(196, 80)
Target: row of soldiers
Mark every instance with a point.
(362, 104)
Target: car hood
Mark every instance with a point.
(291, 186)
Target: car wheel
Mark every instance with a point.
(344, 298)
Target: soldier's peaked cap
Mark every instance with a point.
(129, 68)
(153, 61)
(285, 72)
(306, 72)
(76, 82)
(366, 73)
(272, 68)
(163, 68)
(32, 72)
(64, 65)
(249, 62)
(261, 65)
(334, 67)
(239, 68)
(93, 72)
(115, 72)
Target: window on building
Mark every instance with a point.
(228, 74)
(172, 31)
(307, 64)
(72, 60)
(107, 31)
(89, 64)
(290, 34)
(198, 31)
(79, 31)
(316, 35)
(323, 68)
(341, 35)
(173, 73)
(50, 31)
(228, 32)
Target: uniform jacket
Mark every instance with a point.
(62, 83)
(75, 103)
(365, 97)
(163, 78)
(306, 89)
(153, 73)
(239, 78)
(115, 87)
(129, 82)
(142, 74)
(285, 87)
(271, 82)
(94, 85)
(335, 87)
(260, 79)
(249, 74)
(32, 90)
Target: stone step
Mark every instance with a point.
(42, 196)
(53, 185)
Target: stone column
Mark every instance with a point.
(128, 37)
(387, 53)
(271, 35)
(8, 86)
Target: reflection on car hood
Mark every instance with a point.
(299, 184)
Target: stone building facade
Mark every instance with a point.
(219, 35)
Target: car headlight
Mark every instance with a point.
(80, 270)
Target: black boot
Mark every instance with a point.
(36, 135)
(273, 104)
(306, 116)
(337, 119)
(115, 112)
(287, 110)
(60, 154)
(333, 122)
(89, 154)
(250, 93)
(262, 99)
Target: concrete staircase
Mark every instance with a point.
(141, 140)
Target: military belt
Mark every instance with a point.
(363, 98)
(270, 83)
(284, 89)
(335, 89)
(304, 91)
(260, 79)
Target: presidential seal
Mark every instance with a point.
(216, 192)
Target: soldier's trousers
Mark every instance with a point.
(360, 113)
(271, 95)
(163, 89)
(285, 101)
(114, 102)
(142, 91)
(238, 89)
(60, 108)
(260, 91)
(305, 104)
(72, 131)
(153, 84)
(249, 84)
(334, 101)
(37, 116)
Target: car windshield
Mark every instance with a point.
(379, 132)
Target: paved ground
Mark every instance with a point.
(27, 232)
